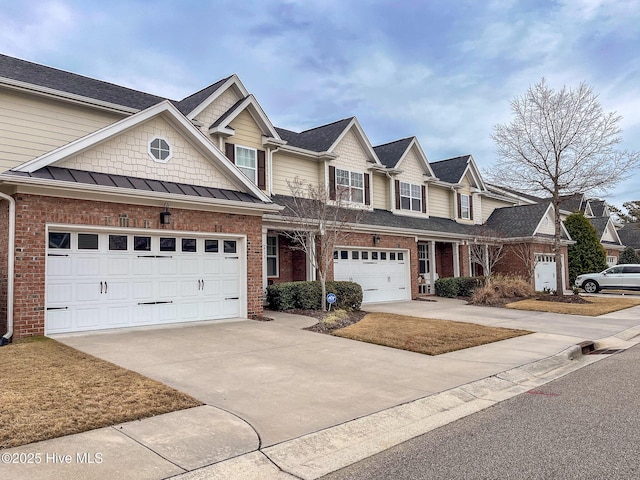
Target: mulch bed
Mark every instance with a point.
(563, 299)
(328, 327)
(501, 302)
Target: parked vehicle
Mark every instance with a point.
(620, 276)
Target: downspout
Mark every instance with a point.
(6, 338)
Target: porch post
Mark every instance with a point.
(432, 265)
(264, 262)
(456, 259)
(311, 242)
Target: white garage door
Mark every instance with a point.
(545, 272)
(101, 280)
(382, 274)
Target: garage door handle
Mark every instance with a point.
(57, 255)
(232, 298)
(154, 303)
(100, 288)
(370, 289)
(57, 308)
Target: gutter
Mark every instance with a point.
(6, 338)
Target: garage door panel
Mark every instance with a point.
(102, 288)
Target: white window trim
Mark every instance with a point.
(411, 197)
(462, 207)
(153, 157)
(350, 187)
(255, 160)
(276, 256)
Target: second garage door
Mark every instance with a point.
(111, 280)
(384, 275)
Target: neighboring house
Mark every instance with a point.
(132, 209)
(630, 235)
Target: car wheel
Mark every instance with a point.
(590, 286)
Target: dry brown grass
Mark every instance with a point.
(423, 335)
(598, 306)
(49, 390)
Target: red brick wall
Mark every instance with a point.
(444, 259)
(510, 264)
(292, 262)
(33, 212)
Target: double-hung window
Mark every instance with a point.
(246, 161)
(465, 210)
(410, 197)
(350, 185)
(272, 256)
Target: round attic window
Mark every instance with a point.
(160, 150)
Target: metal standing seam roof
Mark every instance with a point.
(136, 183)
(391, 153)
(318, 139)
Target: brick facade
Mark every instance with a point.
(33, 212)
(512, 264)
(4, 245)
(292, 264)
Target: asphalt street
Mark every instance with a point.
(583, 425)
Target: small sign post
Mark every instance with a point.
(331, 299)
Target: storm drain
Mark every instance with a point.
(606, 351)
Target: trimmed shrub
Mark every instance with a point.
(307, 295)
(502, 287)
(629, 255)
(457, 286)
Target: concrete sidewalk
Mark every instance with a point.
(280, 399)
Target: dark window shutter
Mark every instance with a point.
(367, 190)
(332, 182)
(230, 152)
(424, 199)
(262, 170)
(470, 207)
(397, 194)
(459, 206)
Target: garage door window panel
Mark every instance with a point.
(167, 244)
(88, 241)
(230, 246)
(142, 244)
(118, 242)
(60, 240)
(211, 246)
(189, 245)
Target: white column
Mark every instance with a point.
(456, 259)
(311, 270)
(432, 264)
(264, 262)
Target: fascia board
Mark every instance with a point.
(320, 156)
(232, 81)
(70, 97)
(65, 189)
(354, 123)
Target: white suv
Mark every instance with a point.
(620, 276)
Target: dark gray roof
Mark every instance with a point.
(226, 114)
(23, 71)
(597, 207)
(318, 139)
(517, 221)
(572, 203)
(385, 218)
(630, 235)
(136, 183)
(187, 104)
(600, 223)
(391, 153)
(451, 169)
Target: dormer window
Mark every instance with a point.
(160, 150)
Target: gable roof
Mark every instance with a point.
(391, 153)
(170, 113)
(251, 105)
(317, 139)
(598, 207)
(451, 170)
(500, 189)
(600, 223)
(519, 220)
(629, 235)
(188, 104)
(21, 73)
(571, 203)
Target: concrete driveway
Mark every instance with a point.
(286, 382)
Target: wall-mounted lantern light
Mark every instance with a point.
(376, 239)
(165, 217)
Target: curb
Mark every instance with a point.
(320, 453)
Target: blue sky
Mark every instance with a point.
(443, 71)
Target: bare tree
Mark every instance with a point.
(558, 143)
(486, 251)
(321, 223)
